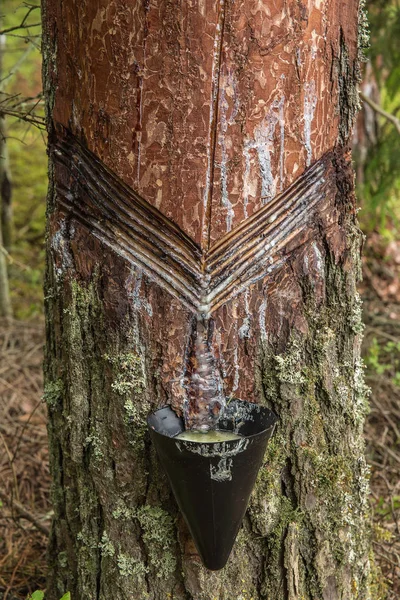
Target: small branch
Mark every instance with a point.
(31, 119)
(6, 31)
(378, 109)
(13, 261)
(23, 512)
(23, 23)
(19, 63)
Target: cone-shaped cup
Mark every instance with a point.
(212, 482)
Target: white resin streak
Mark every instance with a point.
(310, 102)
(263, 145)
(224, 159)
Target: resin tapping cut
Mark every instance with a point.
(203, 278)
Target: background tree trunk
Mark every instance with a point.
(5, 209)
(212, 112)
(5, 301)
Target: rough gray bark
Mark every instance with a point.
(119, 340)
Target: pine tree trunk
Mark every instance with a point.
(186, 136)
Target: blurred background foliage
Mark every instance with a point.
(20, 86)
(377, 138)
(376, 152)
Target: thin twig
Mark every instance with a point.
(23, 23)
(32, 119)
(392, 338)
(14, 261)
(23, 430)
(25, 513)
(11, 464)
(378, 109)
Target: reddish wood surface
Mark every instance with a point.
(157, 89)
(208, 110)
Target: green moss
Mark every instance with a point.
(287, 514)
(329, 471)
(264, 506)
(53, 393)
(378, 584)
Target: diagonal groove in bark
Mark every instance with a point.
(139, 232)
(92, 174)
(269, 214)
(132, 250)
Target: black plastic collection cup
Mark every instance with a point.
(212, 481)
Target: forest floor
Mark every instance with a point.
(25, 511)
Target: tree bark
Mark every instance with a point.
(201, 196)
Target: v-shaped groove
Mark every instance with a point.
(139, 232)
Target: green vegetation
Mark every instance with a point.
(379, 184)
(39, 595)
(384, 359)
(20, 90)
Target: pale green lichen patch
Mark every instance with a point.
(313, 484)
(158, 535)
(355, 314)
(159, 538)
(131, 567)
(94, 441)
(305, 524)
(53, 393)
(86, 540)
(129, 373)
(122, 511)
(81, 368)
(62, 560)
(130, 384)
(106, 546)
(361, 393)
(289, 364)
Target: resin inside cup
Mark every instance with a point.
(208, 437)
